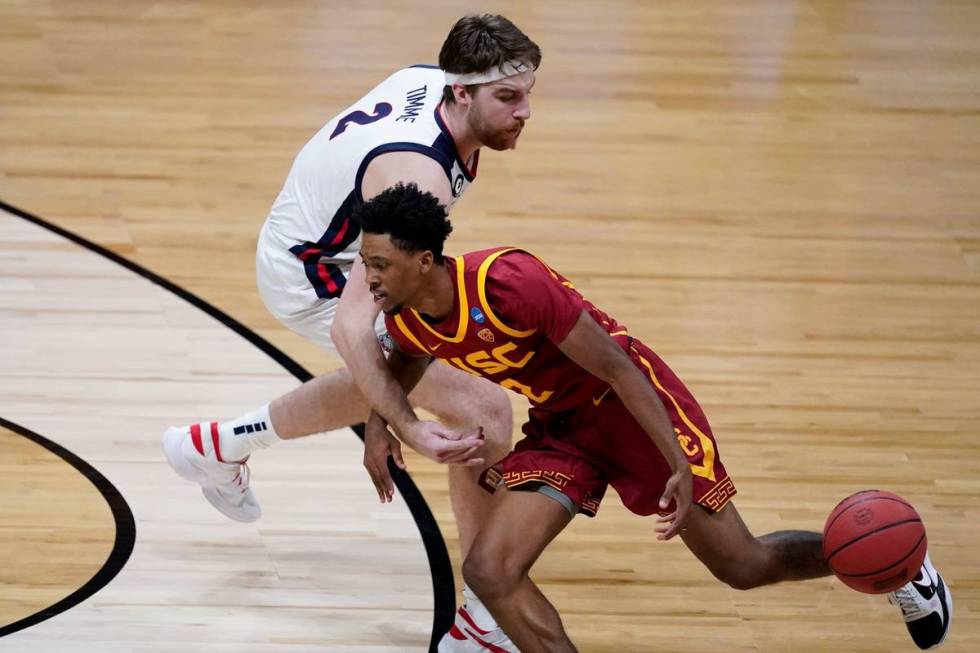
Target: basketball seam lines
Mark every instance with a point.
(870, 533)
(891, 565)
(864, 500)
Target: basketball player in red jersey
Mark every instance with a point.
(605, 410)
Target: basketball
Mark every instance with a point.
(874, 541)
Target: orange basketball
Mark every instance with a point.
(874, 541)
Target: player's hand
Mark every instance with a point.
(379, 444)
(677, 490)
(444, 445)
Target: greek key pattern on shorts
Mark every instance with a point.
(552, 479)
(590, 505)
(556, 480)
(719, 495)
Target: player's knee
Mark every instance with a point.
(491, 410)
(498, 421)
(740, 581)
(489, 575)
(478, 572)
(739, 574)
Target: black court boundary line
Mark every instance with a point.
(121, 548)
(443, 585)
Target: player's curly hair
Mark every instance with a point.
(476, 43)
(414, 219)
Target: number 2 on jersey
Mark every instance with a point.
(381, 109)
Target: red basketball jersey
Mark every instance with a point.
(509, 310)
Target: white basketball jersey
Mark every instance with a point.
(310, 216)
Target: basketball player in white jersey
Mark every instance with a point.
(425, 125)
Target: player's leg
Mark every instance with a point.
(460, 400)
(464, 401)
(728, 549)
(332, 401)
(520, 525)
(324, 403)
(214, 454)
(208, 452)
(723, 542)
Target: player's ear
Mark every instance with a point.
(462, 96)
(425, 261)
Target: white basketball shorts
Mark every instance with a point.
(289, 295)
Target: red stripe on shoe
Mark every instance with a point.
(466, 615)
(196, 438)
(214, 441)
(455, 633)
(487, 645)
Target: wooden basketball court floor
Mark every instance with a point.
(782, 198)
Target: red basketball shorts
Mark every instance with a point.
(581, 452)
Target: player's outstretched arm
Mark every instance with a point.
(431, 439)
(589, 346)
(353, 328)
(353, 335)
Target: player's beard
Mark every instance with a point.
(495, 139)
(394, 310)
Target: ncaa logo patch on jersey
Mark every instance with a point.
(477, 315)
(485, 334)
(457, 185)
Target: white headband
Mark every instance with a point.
(507, 69)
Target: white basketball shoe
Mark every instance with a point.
(927, 606)
(195, 454)
(475, 631)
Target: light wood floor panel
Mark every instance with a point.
(101, 361)
(781, 197)
(56, 529)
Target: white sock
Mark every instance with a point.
(478, 611)
(241, 436)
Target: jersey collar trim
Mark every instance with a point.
(411, 336)
(469, 173)
(464, 308)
